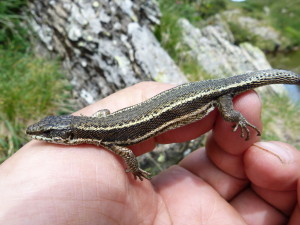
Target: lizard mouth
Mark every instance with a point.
(49, 135)
(56, 140)
(41, 138)
(35, 133)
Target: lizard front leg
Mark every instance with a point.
(101, 113)
(225, 106)
(124, 152)
(130, 160)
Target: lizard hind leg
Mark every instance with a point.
(225, 107)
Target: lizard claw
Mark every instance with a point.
(141, 174)
(243, 124)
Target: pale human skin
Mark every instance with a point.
(230, 181)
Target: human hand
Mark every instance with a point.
(231, 181)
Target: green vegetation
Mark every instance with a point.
(283, 15)
(30, 86)
(169, 32)
(12, 33)
(280, 119)
(289, 61)
(241, 34)
(209, 8)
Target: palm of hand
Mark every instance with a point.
(229, 182)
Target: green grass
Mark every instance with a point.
(12, 33)
(31, 87)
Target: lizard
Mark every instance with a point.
(167, 110)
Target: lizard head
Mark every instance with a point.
(55, 129)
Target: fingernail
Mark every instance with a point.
(282, 153)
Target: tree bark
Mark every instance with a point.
(105, 45)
